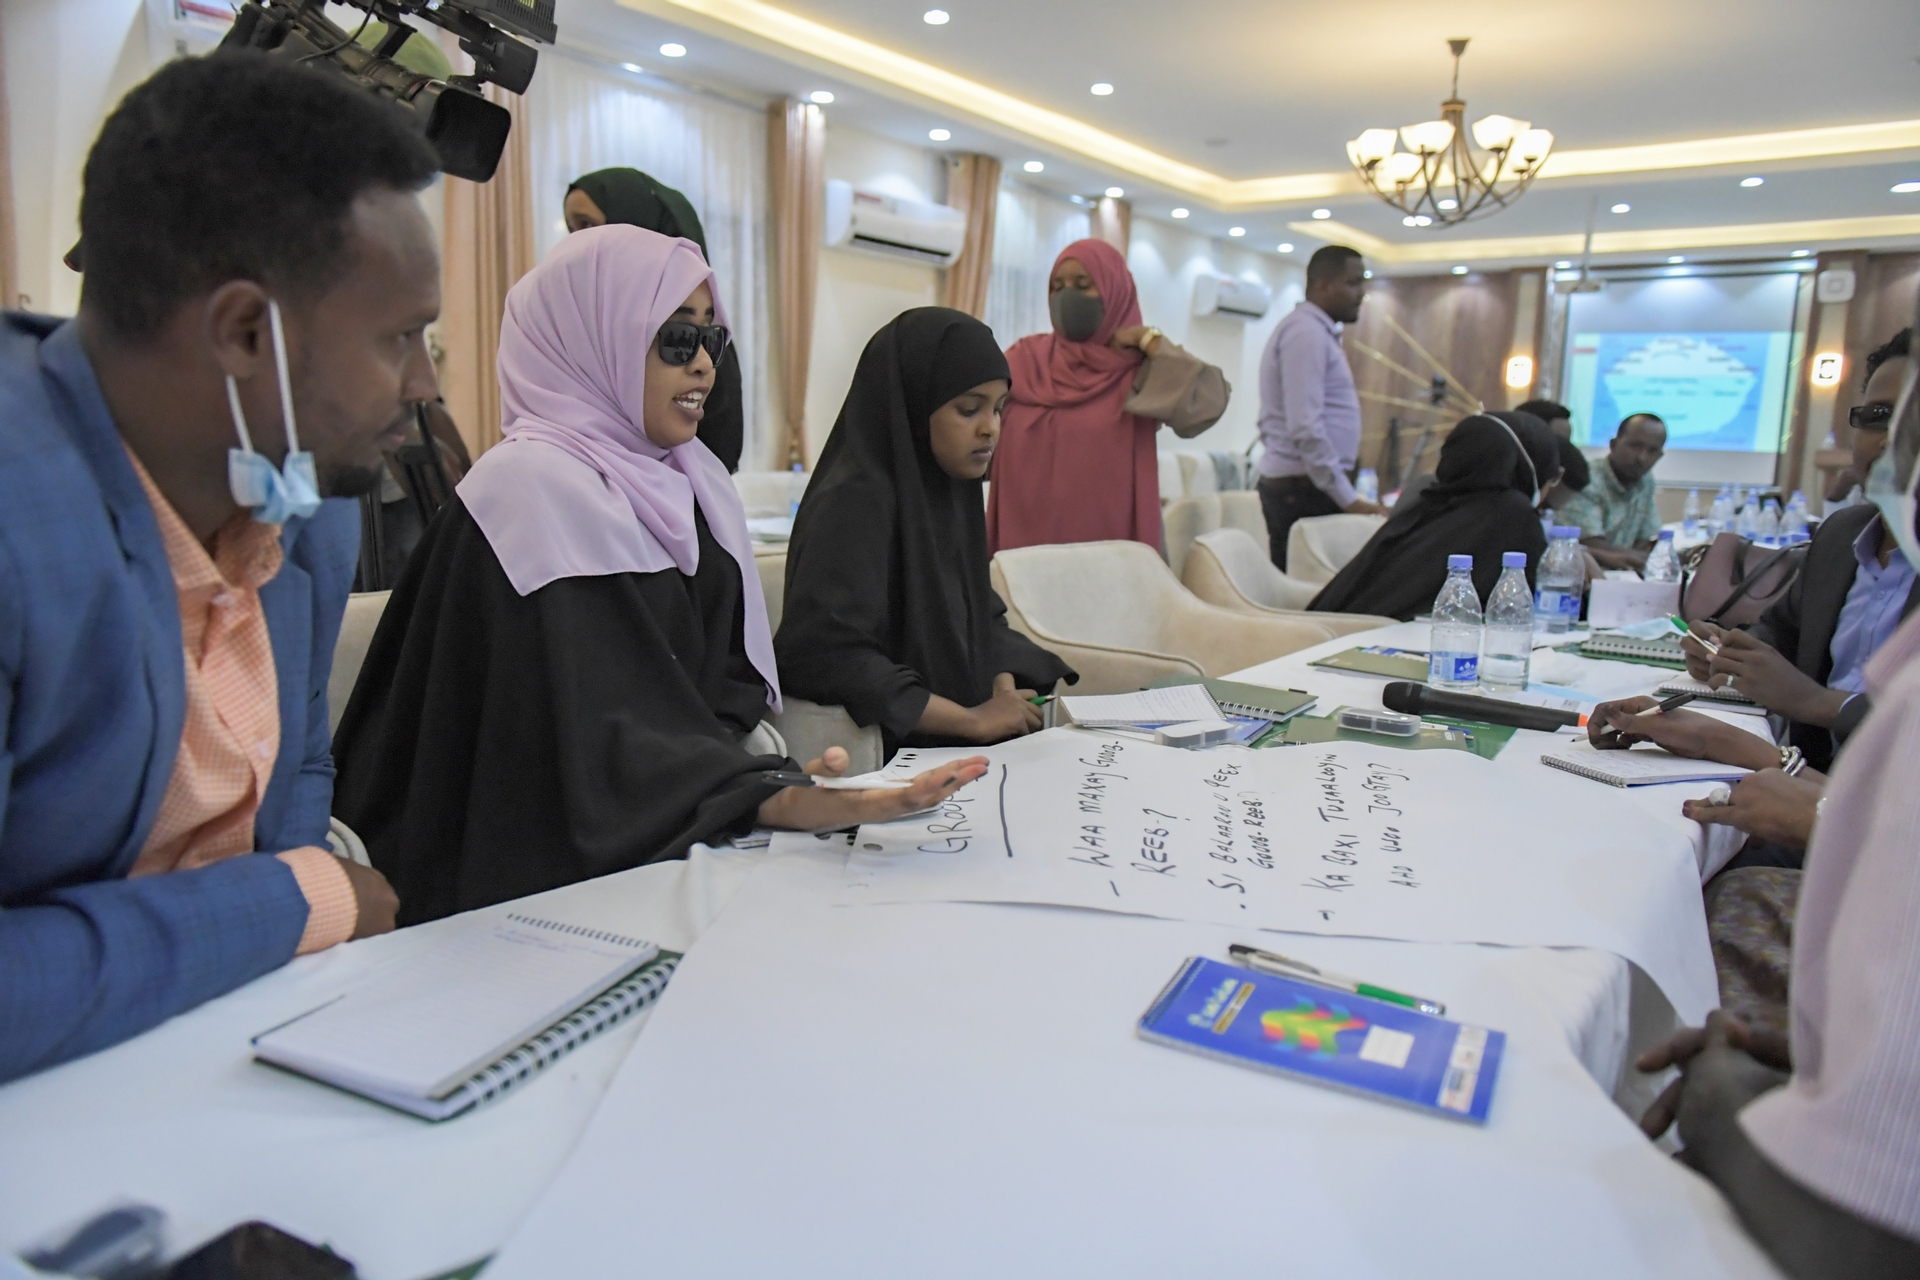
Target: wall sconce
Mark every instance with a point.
(1520, 372)
(1826, 369)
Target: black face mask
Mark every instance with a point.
(1076, 315)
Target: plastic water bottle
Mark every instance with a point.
(1796, 518)
(1453, 661)
(1507, 646)
(796, 489)
(1690, 516)
(1771, 523)
(1367, 484)
(1662, 564)
(1563, 581)
(1720, 515)
(1747, 523)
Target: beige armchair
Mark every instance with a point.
(362, 619)
(1228, 568)
(809, 727)
(1320, 546)
(1183, 521)
(1116, 614)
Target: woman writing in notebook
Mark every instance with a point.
(571, 676)
(889, 610)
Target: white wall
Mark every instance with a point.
(68, 63)
(1166, 260)
(860, 291)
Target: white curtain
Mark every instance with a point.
(586, 117)
(1029, 231)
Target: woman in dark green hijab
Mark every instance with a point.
(632, 198)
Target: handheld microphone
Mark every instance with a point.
(1419, 700)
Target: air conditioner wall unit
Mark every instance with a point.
(893, 225)
(1227, 295)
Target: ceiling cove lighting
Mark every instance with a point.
(936, 17)
(1179, 213)
(673, 49)
(1440, 173)
(1755, 181)
(940, 135)
(820, 97)
(1034, 166)
(1101, 90)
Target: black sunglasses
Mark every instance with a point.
(1870, 417)
(679, 339)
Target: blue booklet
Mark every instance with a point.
(1348, 1041)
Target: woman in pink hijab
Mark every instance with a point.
(571, 676)
(1077, 461)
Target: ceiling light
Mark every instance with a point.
(1323, 214)
(936, 17)
(1676, 258)
(673, 49)
(1236, 232)
(1115, 193)
(1179, 213)
(1753, 182)
(820, 97)
(1563, 264)
(1409, 221)
(1365, 275)
(1101, 90)
(1441, 170)
(1034, 166)
(1904, 188)
(940, 135)
(1286, 248)
(1519, 372)
(1622, 208)
(1459, 271)
(1422, 220)
(1801, 253)
(632, 66)
(1826, 369)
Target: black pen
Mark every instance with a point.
(780, 778)
(1676, 701)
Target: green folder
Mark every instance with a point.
(1436, 734)
(1396, 664)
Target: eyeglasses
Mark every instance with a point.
(679, 339)
(1870, 417)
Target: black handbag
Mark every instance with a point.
(1734, 581)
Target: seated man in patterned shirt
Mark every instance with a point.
(1616, 513)
(259, 272)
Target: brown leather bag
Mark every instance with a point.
(1734, 582)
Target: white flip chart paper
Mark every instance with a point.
(1337, 838)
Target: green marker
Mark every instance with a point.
(1685, 630)
(1300, 971)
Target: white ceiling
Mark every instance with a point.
(1285, 84)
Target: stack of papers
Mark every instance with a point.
(1150, 709)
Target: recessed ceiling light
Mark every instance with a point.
(1562, 265)
(1459, 271)
(632, 66)
(1676, 258)
(673, 49)
(820, 96)
(1323, 214)
(940, 135)
(1034, 166)
(1179, 213)
(1801, 253)
(1364, 275)
(1286, 248)
(1449, 203)
(936, 17)
(1409, 221)
(1622, 208)
(1904, 188)
(1422, 220)
(1101, 90)
(1755, 181)
(1115, 193)
(1236, 232)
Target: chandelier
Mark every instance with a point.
(1443, 178)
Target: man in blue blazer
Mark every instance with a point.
(243, 222)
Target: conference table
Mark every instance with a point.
(921, 1089)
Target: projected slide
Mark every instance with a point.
(1714, 390)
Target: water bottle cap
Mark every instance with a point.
(1455, 564)
(1566, 531)
(1513, 559)
(1666, 535)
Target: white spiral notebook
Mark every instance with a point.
(1638, 766)
(482, 1011)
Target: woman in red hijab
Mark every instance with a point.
(1076, 460)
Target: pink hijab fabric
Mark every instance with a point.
(575, 488)
(1073, 465)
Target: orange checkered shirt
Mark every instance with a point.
(232, 732)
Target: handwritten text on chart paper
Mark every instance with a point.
(1338, 838)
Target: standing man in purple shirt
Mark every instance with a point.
(1309, 410)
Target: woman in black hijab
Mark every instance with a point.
(889, 611)
(1493, 470)
(631, 197)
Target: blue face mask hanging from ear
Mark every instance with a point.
(274, 497)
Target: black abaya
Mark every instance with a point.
(888, 599)
(1479, 505)
(498, 745)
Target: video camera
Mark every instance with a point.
(465, 129)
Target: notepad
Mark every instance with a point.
(1329, 1037)
(487, 1007)
(1638, 766)
(1378, 660)
(1728, 699)
(1176, 705)
(1252, 701)
(1662, 652)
